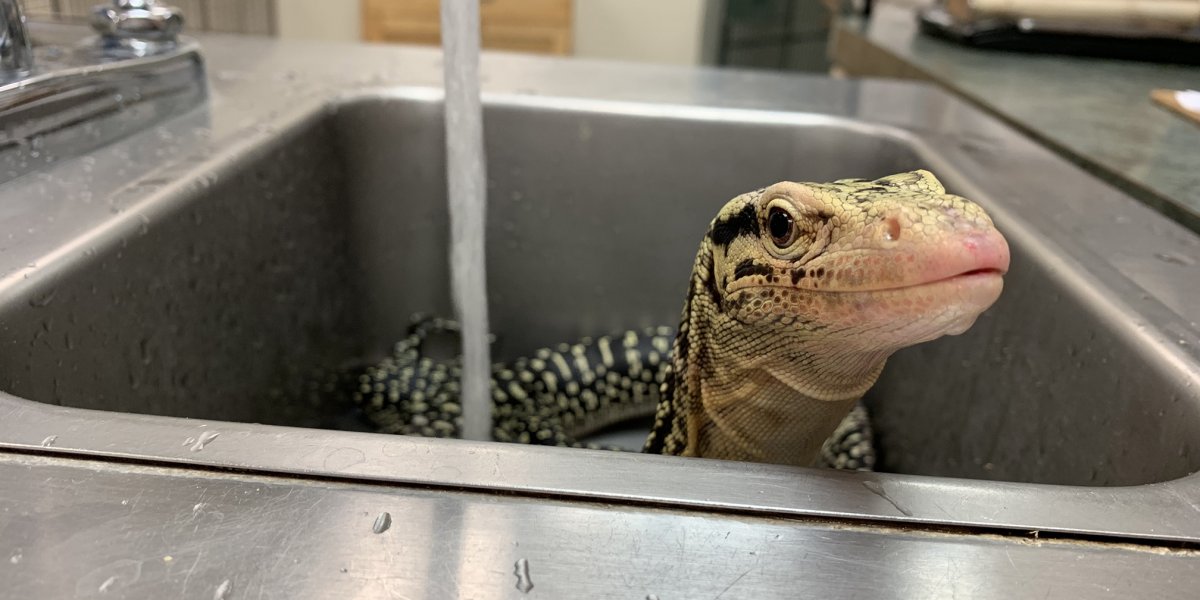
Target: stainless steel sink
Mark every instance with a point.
(179, 322)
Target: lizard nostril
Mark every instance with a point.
(891, 229)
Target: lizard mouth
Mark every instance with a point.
(981, 275)
(973, 258)
(980, 272)
(976, 258)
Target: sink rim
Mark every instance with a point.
(1164, 511)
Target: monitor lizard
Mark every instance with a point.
(799, 293)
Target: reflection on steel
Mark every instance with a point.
(169, 533)
(78, 96)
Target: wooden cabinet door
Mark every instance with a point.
(540, 26)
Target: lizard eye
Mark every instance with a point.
(781, 226)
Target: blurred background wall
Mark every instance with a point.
(776, 34)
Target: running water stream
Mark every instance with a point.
(466, 186)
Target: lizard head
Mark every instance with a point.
(800, 293)
(868, 266)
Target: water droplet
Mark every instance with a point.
(16, 558)
(521, 570)
(203, 440)
(49, 441)
(1174, 259)
(43, 300)
(382, 523)
(222, 592)
(107, 584)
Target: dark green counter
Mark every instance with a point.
(1096, 112)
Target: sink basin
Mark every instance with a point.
(188, 319)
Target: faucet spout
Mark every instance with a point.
(16, 51)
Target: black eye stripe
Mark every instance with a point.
(748, 267)
(744, 223)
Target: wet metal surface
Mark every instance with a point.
(175, 533)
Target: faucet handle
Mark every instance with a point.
(137, 20)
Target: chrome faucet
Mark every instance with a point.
(140, 27)
(138, 61)
(16, 51)
(126, 28)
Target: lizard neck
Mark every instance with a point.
(774, 407)
(772, 395)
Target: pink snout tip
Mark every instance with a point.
(986, 251)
